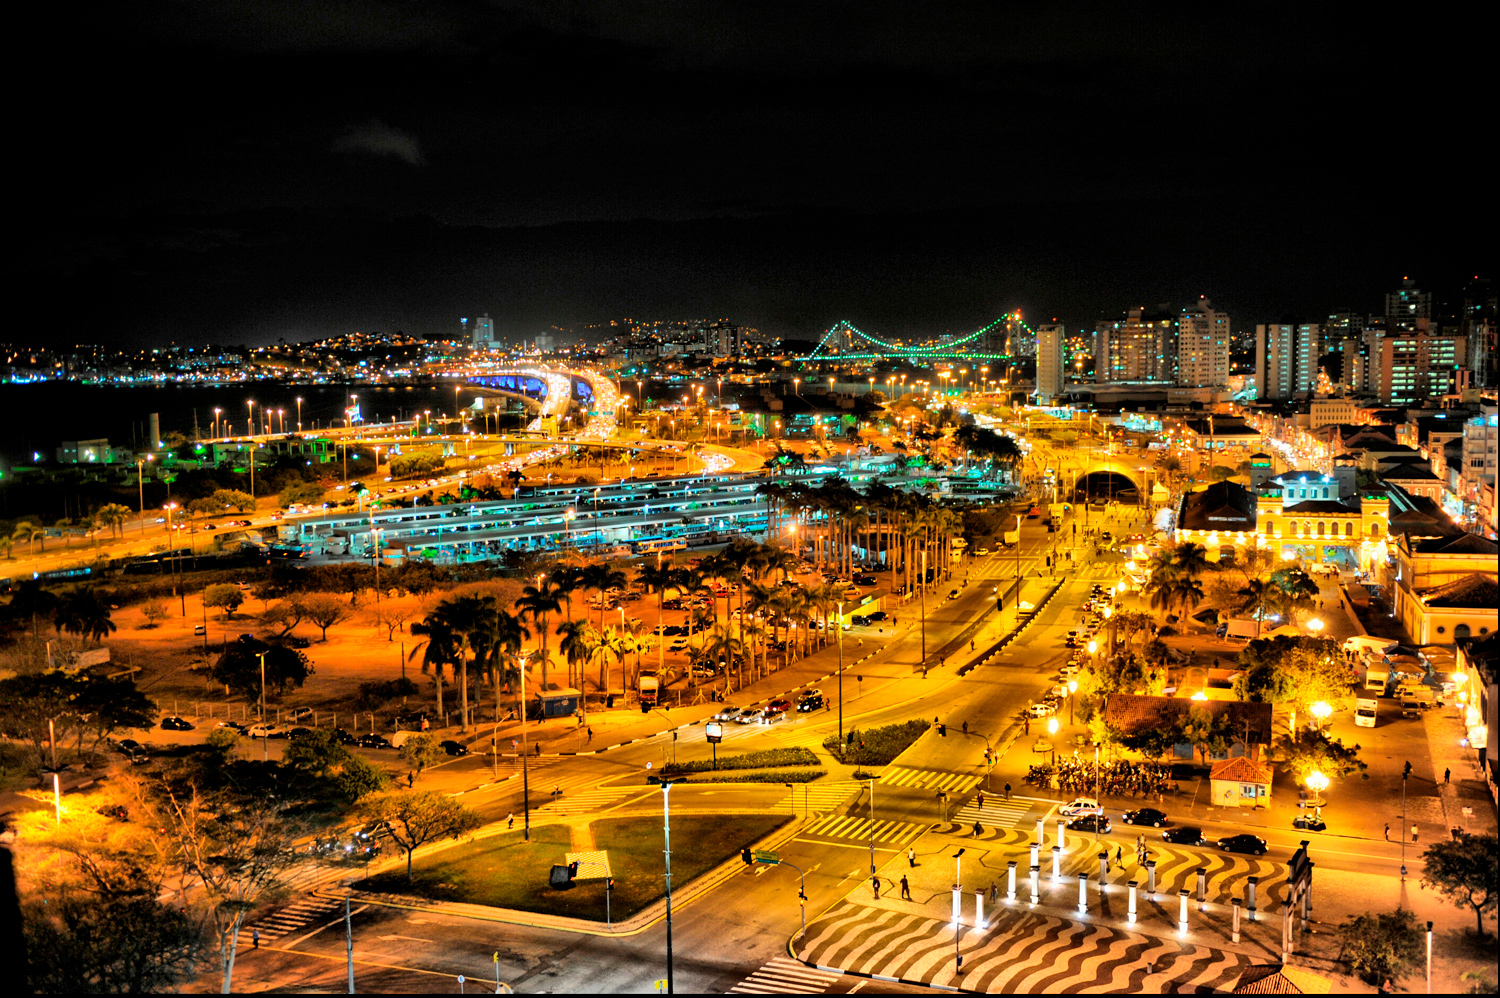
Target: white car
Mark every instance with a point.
(267, 731)
(1080, 806)
(1043, 709)
(981, 552)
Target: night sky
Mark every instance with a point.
(236, 172)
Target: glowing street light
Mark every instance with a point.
(1317, 783)
(1321, 712)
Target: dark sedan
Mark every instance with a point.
(1144, 816)
(1090, 823)
(374, 741)
(452, 747)
(175, 724)
(1186, 835)
(1243, 842)
(812, 701)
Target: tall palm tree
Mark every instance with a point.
(611, 642)
(538, 603)
(84, 614)
(579, 639)
(721, 646)
(495, 647)
(467, 618)
(658, 579)
(599, 577)
(1256, 597)
(113, 515)
(690, 583)
(438, 650)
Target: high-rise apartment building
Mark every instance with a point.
(482, 333)
(1051, 365)
(1141, 346)
(1478, 324)
(1273, 360)
(1406, 305)
(1414, 366)
(1202, 346)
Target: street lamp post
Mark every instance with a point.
(841, 671)
(521, 657)
(666, 829)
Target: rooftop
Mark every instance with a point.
(1471, 591)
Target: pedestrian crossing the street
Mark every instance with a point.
(927, 779)
(294, 916)
(996, 813)
(586, 802)
(838, 826)
(784, 976)
(813, 798)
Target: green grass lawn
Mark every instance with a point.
(507, 872)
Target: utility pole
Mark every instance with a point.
(349, 942)
(525, 746)
(666, 828)
(841, 677)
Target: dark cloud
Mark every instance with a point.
(376, 138)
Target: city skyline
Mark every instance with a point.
(910, 171)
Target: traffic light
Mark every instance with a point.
(609, 884)
(1406, 771)
(943, 730)
(745, 855)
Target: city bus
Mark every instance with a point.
(651, 545)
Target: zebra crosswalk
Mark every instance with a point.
(784, 976)
(812, 798)
(1021, 952)
(586, 802)
(996, 813)
(300, 913)
(863, 829)
(928, 779)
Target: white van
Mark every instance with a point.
(1365, 712)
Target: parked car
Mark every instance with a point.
(373, 740)
(809, 701)
(296, 641)
(864, 580)
(1043, 709)
(859, 620)
(875, 617)
(128, 745)
(344, 737)
(1145, 816)
(267, 731)
(298, 713)
(1186, 835)
(953, 594)
(299, 732)
(452, 747)
(1089, 823)
(1079, 806)
(1243, 842)
(1310, 823)
(728, 714)
(413, 718)
(174, 723)
(233, 726)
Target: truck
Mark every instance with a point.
(1364, 713)
(1011, 537)
(1377, 677)
(1366, 643)
(1058, 509)
(648, 690)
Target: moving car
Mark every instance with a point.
(1243, 842)
(1186, 835)
(1145, 816)
(1089, 823)
(374, 741)
(811, 700)
(175, 723)
(1079, 806)
(953, 594)
(728, 714)
(750, 715)
(779, 706)
(452, 747)
(1043, 709)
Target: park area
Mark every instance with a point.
(506, 871)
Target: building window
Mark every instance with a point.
(1321, 528)
(1348, 530)
(1442, 630)
(1460, 632)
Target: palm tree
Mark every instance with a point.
(690, 584)
(601, 576)
(30, 532)
(440, 649)
(495, 646)
(113, 515)
(579, 639)
(84, 614)
(657, 578)
(538, 603)
(611, 641)
(1256, 598)
(721, 646)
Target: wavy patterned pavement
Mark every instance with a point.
(1021, 952)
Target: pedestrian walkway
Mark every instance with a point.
(996, 813)
(864, 830)
(1020, 953)
(927, 779)
(813, 798)
(587, 802)
(784, 976)
(294, 916)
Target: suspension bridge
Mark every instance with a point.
(1006, 337)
